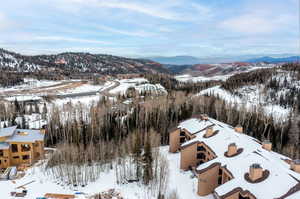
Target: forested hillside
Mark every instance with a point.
(69, 62)
(278, 85)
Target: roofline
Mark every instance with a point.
(208, 168)
(290, 192)
(236, 190)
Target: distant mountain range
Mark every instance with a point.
(176, 60)
(274, 60)
(190, 60)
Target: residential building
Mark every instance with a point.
(20, 146)
(232, 165)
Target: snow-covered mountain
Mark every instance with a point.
(219, 69)
(77, 62)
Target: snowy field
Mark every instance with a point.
(30, 84)
(189, 78)
(140, 84)
(194, 79)
(180, 181)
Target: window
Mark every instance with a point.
(182, 140)
(242, 197)
(220, 171)
(14, 148)
(201, 148)
(16, 157)
(182, 133)
(200, 156)
(1, 153)
(25, 147)
(25, 157)
(220, 180)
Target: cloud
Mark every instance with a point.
(249, 24)
(263, 17)
(139, 33)
(156, 27)
(68, 39)
(4, 22)
(167, 10)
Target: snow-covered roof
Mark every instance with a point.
(4, 145)
(9, 131)
(25, 135)
(194, 125)
(271, 187)
(21, 135)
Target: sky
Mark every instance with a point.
(143, 28)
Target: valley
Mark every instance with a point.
(99, 126)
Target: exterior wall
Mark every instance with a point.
(208, 181)
(2, 139)
(188, 157)
(237, 194)
(11, 158)
(5, 159)
(226, 176)
(17, 158)
(38, 150)
(174, 141)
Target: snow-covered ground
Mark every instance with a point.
(21, 98)
(222, 77)
(189, 78)
(251, 97)
(30, 84)
(180, 181)
(140, 84)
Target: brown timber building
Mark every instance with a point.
(231, 165)
(20, 146)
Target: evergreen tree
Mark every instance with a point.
(147, 157)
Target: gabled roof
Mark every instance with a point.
(6, 132)
(271, 187)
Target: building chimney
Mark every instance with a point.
(204, 117)
(209, 131)
(295, 165)
(256, 172)
(232, 149)
(238, 129)
(267, 145)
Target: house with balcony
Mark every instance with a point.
(229, 164)
(20, 146)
